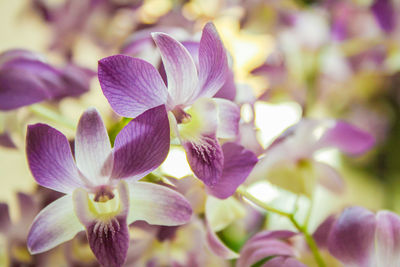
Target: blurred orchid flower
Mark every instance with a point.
(26, 79)
(385, 14)
(272, 248)
(361, 238)
(133, 86)
(292, 154)
(102, 192)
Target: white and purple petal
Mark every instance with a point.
(213, 63)
(55, 224)
(180, 69)
(157, 205)
(131, 85)
(228, 118)
(50, 159)
(93, 148)
(142, 145)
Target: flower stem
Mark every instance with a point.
(47, 113)
(302, 229)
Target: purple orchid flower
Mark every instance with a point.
(361, 238)
(102, 192)
(273, 247)
(26, 79)
(385, 14)
(296, 148)
(133, 86)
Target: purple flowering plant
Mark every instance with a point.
(103, 193)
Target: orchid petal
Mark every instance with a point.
(93, 148)
(157, 204)
(228, 90)
(321, 234)
(264, 245)
(50, 159)
(5, 220)
(328, 177)
(19, 86)
(142, 145)
(228, 118)
(179, 67)
(107, 232)
(384, 12)
(27, 206)
(131, 85)
(346, 137)
(387, 236)
(238, 163)
(213, 63)
(351, 239)
(6, 140)
(217, 246)
(283, 262)
(198, 137)
(55, 224)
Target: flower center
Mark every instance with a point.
(103, 194)
(181, 116)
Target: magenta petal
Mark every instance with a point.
(385, 14)
(179, 67)
(238, 163)
(93, 148)
(142, 145)
(50, 159)
(213, 64)
(205, 158)
(387, 238)
(348, 138)
(131, 85)
(351, 239)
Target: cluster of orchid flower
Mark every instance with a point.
(112, 205)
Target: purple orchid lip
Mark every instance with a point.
(102, 192)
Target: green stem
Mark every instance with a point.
(47, 113)
(302, 229)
